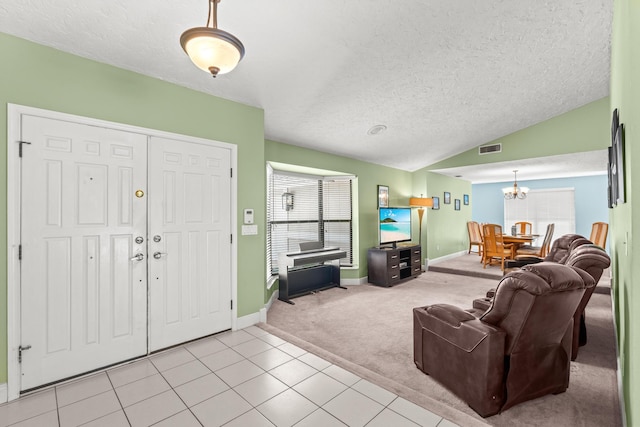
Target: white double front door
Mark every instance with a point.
(125, 246)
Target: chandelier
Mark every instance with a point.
(211, 49)
(515, 192)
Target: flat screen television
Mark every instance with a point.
(394, 225)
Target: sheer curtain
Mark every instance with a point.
(541, 208)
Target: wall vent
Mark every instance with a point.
(490, 149)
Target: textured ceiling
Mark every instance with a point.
(442, 76)
(567, 165)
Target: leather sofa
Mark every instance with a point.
(594, 260)
(559, 252)
(517, 350)
(576, 251)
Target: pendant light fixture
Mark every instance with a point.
(211, 49)
(515, 192)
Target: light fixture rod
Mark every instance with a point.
(212, 22)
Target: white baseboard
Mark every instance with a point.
(358, 281)
(4, 396)
(248, 320)
(274, 296)
(443, 258)
(259, 316)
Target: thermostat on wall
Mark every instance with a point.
(248, 216)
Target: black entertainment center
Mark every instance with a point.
(388, 265)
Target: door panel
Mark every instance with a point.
(86, 300)
(83, 301)
(190, 282)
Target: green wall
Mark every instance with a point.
(43, 77)
(447, 228)
(583, 129)
(369, 177)
(625, 219)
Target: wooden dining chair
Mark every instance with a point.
(475, 238)
(494, 247)
(538, 251)
(599, 232)
(523, 227)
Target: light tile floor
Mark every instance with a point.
(245, 378)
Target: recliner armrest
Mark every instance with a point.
(450, 314)
(456, 326)
(467, 359)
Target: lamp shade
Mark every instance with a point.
(211, 49)
(421, 202)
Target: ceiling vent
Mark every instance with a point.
(490, 149)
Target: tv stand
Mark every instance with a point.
(390, 265)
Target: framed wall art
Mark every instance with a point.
(436, 202)
(465, 199)
(456, 204)
(615, 170)
(383, 196)
(447, 198)
(618, 152)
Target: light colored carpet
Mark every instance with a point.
(467, 265)
(371, 327)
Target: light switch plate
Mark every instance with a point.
(250, 230)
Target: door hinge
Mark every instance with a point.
(20, 148)
(231, 304)
(20, 350)
(19, 252)
(231, 170)
(231, 236)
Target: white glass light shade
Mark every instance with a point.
(515, 192)
(212, 50)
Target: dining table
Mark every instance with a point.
(519, 240)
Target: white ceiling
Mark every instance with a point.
(443, 76)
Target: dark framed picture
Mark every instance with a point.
(383, 196)
(610, 174)
(615, 172)
(465, 199)
(615, 122)
(436, 202)
(618, 152)
(456, 204)
(447, 198)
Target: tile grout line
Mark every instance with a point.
(176, 393)
(117, 397)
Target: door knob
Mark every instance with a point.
(158, 255)
(137, 257)
(139, 239)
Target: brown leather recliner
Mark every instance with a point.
(577, 251)
(559, 251)
(592, 259)
(517, 350)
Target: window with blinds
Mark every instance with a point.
(307, 208)
(541, 208)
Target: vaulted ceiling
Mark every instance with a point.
(443, 77)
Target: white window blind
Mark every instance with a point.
(541, 208)
(320, 211)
